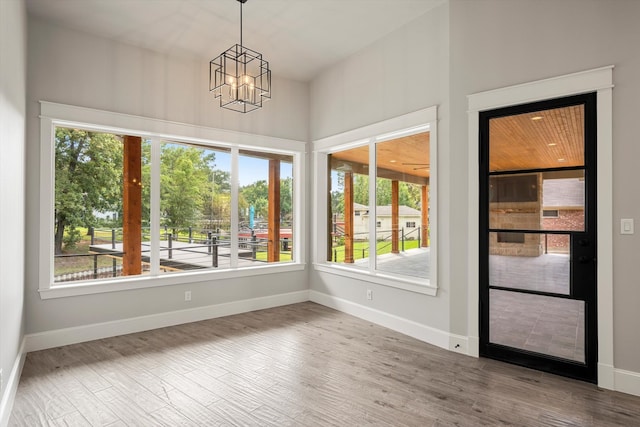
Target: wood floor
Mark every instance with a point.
(298, 365)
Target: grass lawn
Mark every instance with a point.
(284, 256)
(361, 249)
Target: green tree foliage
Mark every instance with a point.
(361, 189)
(256, 195)
(286, 199)
(88, 179)
(408, 194)
(185, 184)
(218, 208)
(337, 194)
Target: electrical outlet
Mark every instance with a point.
(369, 294)
(458, 344)
(187, 295)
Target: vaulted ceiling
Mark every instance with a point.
(299, 38)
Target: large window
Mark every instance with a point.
(128, 205)
(380, 204)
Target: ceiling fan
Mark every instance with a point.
(420, 165)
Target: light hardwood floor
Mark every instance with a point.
(298, 365)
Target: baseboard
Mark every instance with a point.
(408, 327)
(60, 337)
(627, 381)
(473, 346)
(606, 376)
(6, 404)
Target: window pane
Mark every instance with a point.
(265, 207)
(195, 216)
(403, 171)
(99, 182)
(348, 232)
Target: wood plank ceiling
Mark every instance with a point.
(539, 140)
(405, 159)
(543, 139)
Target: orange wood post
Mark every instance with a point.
(132, 206)
(395, 216)
(273, 246)
(348, 217)
(425, 216)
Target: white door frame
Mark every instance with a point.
(599, 80)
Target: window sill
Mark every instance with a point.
(400, 282)
(143, 282)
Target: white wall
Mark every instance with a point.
(465, 47)
(401, 73)
(13, 61)
(496, 43)
(69, 67)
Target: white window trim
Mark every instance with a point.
(53, 115)
(418, 121)
(598, 80)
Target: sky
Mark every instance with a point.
(252, 169)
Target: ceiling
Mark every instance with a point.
(299, 38)
(404, 159)
(547, 139)
(539, 140)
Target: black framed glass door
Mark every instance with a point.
(538, 235)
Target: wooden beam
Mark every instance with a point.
(425, 217)
(395, 216)
(348, 217)
(273, 246)
(132, 206)
(363, 169)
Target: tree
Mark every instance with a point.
(88, 179)
(361, 189)
(337, 194)
(219, 207)
(185, 183)
(257, 195)
(286, 199)
(408, 194)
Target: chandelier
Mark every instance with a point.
(240, 77)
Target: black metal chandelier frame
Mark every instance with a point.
(240, 77)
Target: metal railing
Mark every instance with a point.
(387, 237)
(181, 249)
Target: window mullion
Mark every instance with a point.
(373, 216)
(155, 207)
(234, 207)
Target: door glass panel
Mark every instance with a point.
(520, 261)
(538, 201)
(563, 200)
(541, 324)
(537, 140)
(515, 202)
